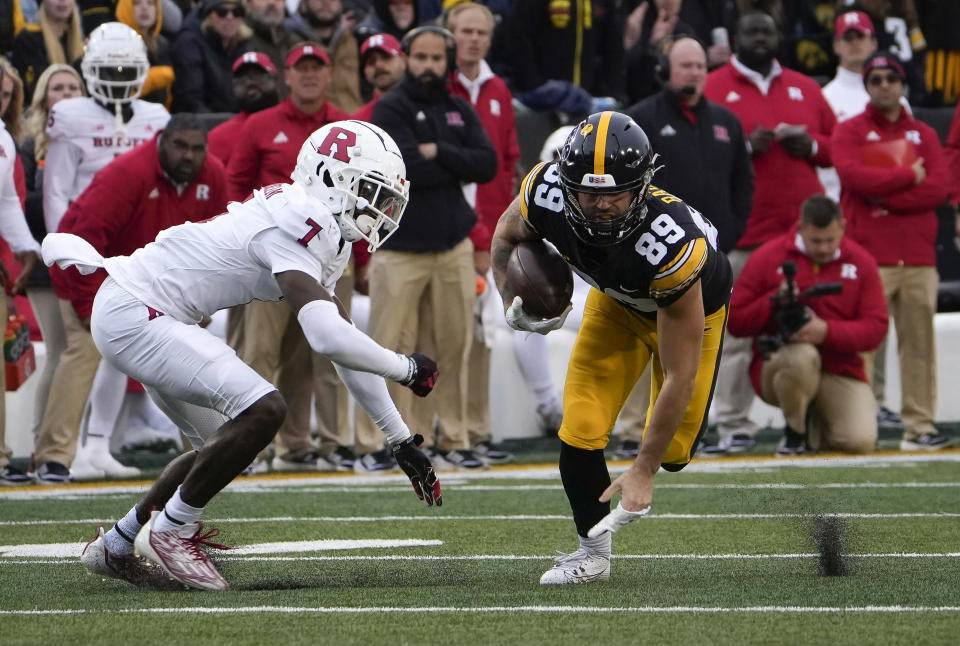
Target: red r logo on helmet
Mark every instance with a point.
(337, 143)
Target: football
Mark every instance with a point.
(539, 275)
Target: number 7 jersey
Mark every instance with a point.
(653, 266)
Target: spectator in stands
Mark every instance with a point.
(813, 370)
(56, 37)
(894, 174)
(13, 229)
(270, 36)
(11, 23)
(146, 17)
(701, 147)
(562, 58)
(650, 28)
(11, 100)
(85, 135)
(203, 56)
(394, 17)
(383, 65)
(266, 153)
(788, 124)
(59, 81)
(325, 22)
(431, 258)
(255, 81)
(712, 22)
(472, 26)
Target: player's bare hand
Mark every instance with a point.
(635, 486)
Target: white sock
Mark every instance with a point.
(119, 540)
(602, 544)
(176, 514)
(532, 355)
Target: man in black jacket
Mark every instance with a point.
(423, 279)
(705, 159)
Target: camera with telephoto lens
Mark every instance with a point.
(792, 313)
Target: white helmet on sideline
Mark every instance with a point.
(114, 63)
(356, 169)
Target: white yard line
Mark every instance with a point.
(74, 550)
(333, 610)
(496, 517)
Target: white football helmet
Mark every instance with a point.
(114, 63)
(356, 169)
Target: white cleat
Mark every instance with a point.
(583, 566)
(98, 560)
(178, 551)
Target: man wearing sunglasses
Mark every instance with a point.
(893, 175)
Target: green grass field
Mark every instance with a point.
(726, 557)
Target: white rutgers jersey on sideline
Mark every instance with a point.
(194, 269)
(83, 140)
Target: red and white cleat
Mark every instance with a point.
(179, 552)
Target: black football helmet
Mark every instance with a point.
(606, 153)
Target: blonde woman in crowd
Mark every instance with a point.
(58, 82)
(11, 100)
(56, 37)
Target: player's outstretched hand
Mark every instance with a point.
(423, 374)
(617, 519)
(418, 468)
(518, 319)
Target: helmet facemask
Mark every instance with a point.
(372, 207)
(603, 232)
(115, 64)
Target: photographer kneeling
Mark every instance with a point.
(814, 302)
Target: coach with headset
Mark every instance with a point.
(705, 159)
(700, 143)
(422, 280)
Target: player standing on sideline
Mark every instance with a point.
(660, 294)
(290, 242)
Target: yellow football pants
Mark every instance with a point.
(612, 349)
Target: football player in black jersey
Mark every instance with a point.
(660, 294)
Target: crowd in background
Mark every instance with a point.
(728, 91)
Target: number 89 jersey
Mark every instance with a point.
(648, 269)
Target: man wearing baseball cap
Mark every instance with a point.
(254, 89)
(894, 174)
(854, 41)
(265, 152)
(383, 64)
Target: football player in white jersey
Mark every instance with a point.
(87, 133)
(289, 242)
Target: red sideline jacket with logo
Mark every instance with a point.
(126, 205)
(886, 211)
(266, 150)
(781, 182)
(856, 317)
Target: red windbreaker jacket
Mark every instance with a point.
(781, 182)
(126, 205)
(886, 212)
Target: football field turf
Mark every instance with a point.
(726, 557)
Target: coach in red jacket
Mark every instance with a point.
(266, 151)
(893, 175)
(255, 89)
(817, 378)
